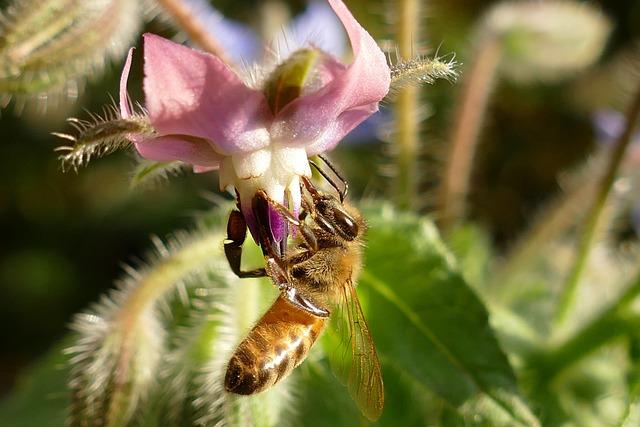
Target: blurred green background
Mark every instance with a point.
(64, 236)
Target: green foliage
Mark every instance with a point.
(431, 331)
(149, 173)
(472, 248)
(463, 332)
(439, 353)
(50, 47)
(440, 317)
(41, 397)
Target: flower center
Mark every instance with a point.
(274, 169)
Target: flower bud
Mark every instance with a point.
(546, 40)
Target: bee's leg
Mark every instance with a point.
(307, 233)
(236, 235)
(278, 273)
(306, 303)
(282, 209)
(342, 192)
(282, 280)
(310, 206)
(308, 185)
(309, 238)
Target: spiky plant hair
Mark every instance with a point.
(101, 135)
(48, 48)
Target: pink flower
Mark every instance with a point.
(205, 115)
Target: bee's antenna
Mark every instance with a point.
(342, 192)
(344, 182)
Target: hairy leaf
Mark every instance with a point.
(40, 397)
(149, 173)
(428, 322)
(117, 354)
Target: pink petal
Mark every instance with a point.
(190, 150)
(330, 68)
(321, 119)
(344, 124)
(203, 169)
(195, 93)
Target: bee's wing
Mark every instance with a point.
(357, 361)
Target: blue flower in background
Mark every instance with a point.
(239, 41)
(318, 22)
(243, 44)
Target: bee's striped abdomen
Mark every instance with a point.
(279, 342)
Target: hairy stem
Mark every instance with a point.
(612, 323)
(189, 22)
(553, 222)
(472, 105)
(150, 288)
(560, 216)
(117, 354)
(570, 287)
(407, 122)
(164, 276)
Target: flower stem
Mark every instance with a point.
(612, 323)
(407, 122)
(462, 147)
(114, 374)
(570, 288)
(189, 22)
(162, 278)
(552, 222)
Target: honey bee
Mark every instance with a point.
(317, 280)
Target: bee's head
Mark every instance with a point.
(332, 217)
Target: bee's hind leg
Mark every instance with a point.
(277, 266)
(291, 293)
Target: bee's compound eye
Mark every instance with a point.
(346, 223)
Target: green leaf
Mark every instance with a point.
(632, 414)
(323, 400)
(41, 397)
(471, 246)
(148, 172)
(426, 319)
